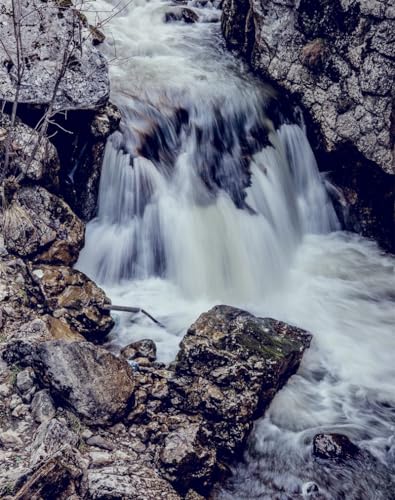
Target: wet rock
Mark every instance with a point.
(230, 366)
(74, 298)
(183, 14)
(51, 437)
(141, 349)
(336, 58)
(42, 227)
(105, 121)
(134, 481)
(42, 407)
(334, 446)
(91, 381)
(82, 157)
(48, 30)
(36, 160)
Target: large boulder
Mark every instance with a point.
(57, 52)
(235, 362)
(42, 227)
(75, 299)
(229, 367)
(94, 383)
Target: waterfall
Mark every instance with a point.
(210, 193)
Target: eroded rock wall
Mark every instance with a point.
(337, 58)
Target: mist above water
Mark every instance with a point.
(205, 198)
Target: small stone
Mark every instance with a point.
(25, 380)
(10, 439)
(334, 446)
(5, 390)
(42, 407)
(20, 411)
(138, 446)
(15, 401)
(141, 349)
(118, 428)
(100, 442)
(86, 434)
(100, 458)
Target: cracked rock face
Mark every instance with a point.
(42, 227)
(336, 56)
(43, 167)
(73, 297)
(49, 30)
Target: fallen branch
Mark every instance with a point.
(111, 307)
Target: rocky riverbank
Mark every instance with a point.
(77, 421)
(337, 59)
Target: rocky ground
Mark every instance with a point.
(337, 58)
(79, 422)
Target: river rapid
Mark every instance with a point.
(210, 194)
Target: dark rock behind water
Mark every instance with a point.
(337, 59)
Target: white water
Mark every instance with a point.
(175, 235)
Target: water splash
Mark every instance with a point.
(205, 199)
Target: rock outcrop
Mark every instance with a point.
(336, 57)
(57, 53)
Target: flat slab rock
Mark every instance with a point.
(48, 30)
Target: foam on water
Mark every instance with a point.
(205, 199)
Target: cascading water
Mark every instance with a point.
(209, 194)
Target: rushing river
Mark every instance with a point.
(211, 194)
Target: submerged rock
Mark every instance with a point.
(181, 14)
(97, 385)
(334, 446)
